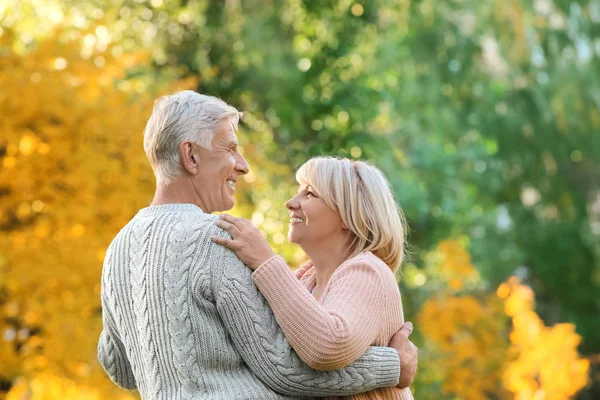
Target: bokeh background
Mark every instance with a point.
(483, 114)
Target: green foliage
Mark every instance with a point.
(485, 116)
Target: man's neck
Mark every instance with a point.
(175, 193)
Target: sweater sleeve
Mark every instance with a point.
(262, 345)
(111, 351)
(112, 355)
(332, 334)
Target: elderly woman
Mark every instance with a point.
(345, 298)
(182, 318)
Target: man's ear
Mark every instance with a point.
(188, 158)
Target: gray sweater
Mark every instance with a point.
(183, 320)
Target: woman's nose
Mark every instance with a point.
(292, 204)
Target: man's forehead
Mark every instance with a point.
(228, 135)
(234, 126)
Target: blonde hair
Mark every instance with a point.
(183, 116)
(363, 198)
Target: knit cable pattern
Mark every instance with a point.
(140, 241)
(106, 346)
(253, 326)
(107, 352)
(110, 352)
(204, 344)
(179, 257)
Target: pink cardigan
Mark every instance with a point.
(360, 307)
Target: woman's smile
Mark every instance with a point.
(296, 220)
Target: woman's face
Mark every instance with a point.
(312, 222)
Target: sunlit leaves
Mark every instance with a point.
(467, 334)
(70, 156)
(544, 361)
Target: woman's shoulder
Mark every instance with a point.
(368, 260)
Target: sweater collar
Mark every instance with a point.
(165, 208)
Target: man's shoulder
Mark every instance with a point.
(174, 225)
(189, 222)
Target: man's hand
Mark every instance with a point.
(408, 354)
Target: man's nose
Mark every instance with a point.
(241, 165)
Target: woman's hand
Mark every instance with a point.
(248, 243)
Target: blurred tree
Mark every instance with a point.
(484, 116)
(465, 330)
(69, 151)
(72, 173)
(544, 360)
(470, 352)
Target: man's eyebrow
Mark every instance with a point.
(234, 141)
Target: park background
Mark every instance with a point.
(483, 114)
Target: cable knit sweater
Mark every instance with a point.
(360, 307)
(183, 319)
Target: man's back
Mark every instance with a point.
(182, 319)
(156, 288)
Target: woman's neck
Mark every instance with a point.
(326, 258)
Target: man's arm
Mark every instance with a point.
(408, 352)
(263, 347)
(111, 351)
(112, 355)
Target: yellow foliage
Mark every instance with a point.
(463, 332)
(473, 353)
(50, 386)
(72, 173)
(451, 263)
(544, 360)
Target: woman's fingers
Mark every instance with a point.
(232, 220)
(247, 224)
(224, 242)
(229, 227)
(248, 243)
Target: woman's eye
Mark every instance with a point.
(311, 194)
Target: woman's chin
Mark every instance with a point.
(292, 239)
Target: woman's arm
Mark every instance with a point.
(260, 341)
(325, 336)
(333, 334)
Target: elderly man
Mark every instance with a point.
(182, 317)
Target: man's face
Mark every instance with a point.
(219, 169)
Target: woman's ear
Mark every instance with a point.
(344, 226)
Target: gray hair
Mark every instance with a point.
(183, 116)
